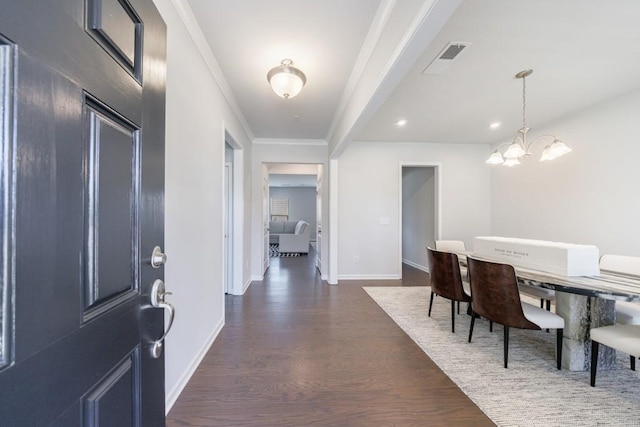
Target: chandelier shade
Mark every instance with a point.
(511, 162)
(520, 147)
(495, 158)
(556, 149)
(286, 80)
(514, 151)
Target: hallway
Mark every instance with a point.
(296, 352)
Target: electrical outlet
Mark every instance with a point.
(356, 259)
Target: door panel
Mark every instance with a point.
(82, 185)
(112, 402)
(112, 183)
(117, 27)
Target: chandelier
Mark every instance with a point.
(520, 147)
(286, 80)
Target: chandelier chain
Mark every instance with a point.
(524, 103)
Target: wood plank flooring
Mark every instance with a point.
(296, 351)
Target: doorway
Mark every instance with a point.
(419, 213)
(293, 188)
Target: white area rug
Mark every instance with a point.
(531, 392)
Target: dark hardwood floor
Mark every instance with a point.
(296, 351)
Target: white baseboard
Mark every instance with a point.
(174, 393)
(257, 278)
(369, 277)
(246, 286)
(414, 265)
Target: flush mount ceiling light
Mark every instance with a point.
(286, 80)
(520, 147)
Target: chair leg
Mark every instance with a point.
(559, 333)
(430, 303)
(548, 308)
(458, 307)
(506, 345)
(595, 345)
(473, 320)
(541, 302)
(633, 362)
(490, 325)
(453, 316)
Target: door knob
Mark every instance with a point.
(157, 257)
(158, 293)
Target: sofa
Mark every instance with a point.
(291, 236)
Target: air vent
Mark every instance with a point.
(445, 57)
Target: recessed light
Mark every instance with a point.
(495, 125)
(401, 122)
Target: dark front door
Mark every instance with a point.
(82, 195)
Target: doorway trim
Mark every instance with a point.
(228, 228)
(437, 173)
(323, 254)
(238, 220)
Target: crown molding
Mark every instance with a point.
(193, 28)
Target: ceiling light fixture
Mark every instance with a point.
(286, 80)
(520, 147)
(401, 122)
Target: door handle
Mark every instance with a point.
(158, 293)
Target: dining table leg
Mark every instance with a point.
(581, 313)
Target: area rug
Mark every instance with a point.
(531, 392)
(274, 251)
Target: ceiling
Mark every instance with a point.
(321, 37)
(582, 53)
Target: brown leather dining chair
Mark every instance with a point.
(446, 280)
(494, 288)
(455, 246)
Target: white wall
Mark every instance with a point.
(196, 112)
(369, 191)
(589, 196)
(418, 215)
(286, 152)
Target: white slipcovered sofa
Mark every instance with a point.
(292, 236)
